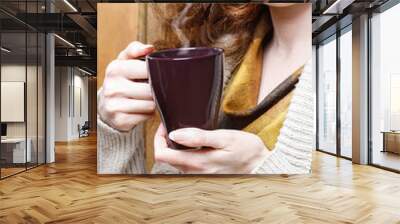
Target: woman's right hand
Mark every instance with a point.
(124, 100)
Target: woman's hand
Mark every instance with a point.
(229, 152)
(125, 100)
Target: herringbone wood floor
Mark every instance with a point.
(69, 191)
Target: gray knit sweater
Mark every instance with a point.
(124, 153)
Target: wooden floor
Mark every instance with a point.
(69, 191)
(5, 172)
(8, 171)
(387, 159)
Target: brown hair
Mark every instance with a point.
(229, 26)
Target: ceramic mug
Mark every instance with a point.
(187, 87)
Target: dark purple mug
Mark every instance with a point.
(187, 86)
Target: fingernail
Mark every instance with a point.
(179, 135)
(148, 46)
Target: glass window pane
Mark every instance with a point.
(23, 87)
(327, 96)
(13, 86)
(385, 114)
(41, 98)
(346, 94)
(32, 87)
(31, 97)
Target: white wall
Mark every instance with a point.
(71, 103)
(12, 73)
(33, 126)
(62, 81)
(80, 102)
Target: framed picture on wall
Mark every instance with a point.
(196, 88)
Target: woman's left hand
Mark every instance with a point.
(227, 152)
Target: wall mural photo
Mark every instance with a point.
(205, 88)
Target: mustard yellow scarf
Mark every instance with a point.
(241, 96)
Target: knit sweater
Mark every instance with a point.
(124, 153)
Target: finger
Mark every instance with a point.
(159, 138)
(194, 137)
(125, 122)
(130, 106)
(176, 158)
(124, 88)
(160, 144)
(182, 159)
(135, 50)
(130, 69)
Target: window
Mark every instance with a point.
(22, 79)
(327, 96)
(385, 89)
(346, 92)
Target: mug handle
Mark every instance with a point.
(143, 58)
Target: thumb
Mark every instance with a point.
(194, 137)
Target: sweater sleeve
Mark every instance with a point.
(120, 152)
(293, 151)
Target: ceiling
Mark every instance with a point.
(329, 16)
(72, 20)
